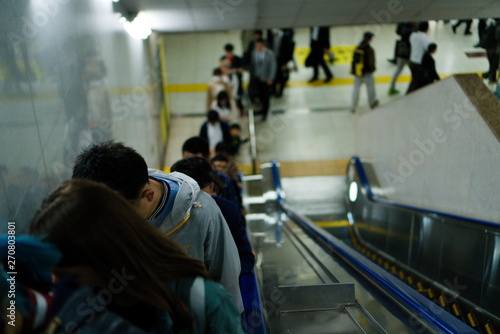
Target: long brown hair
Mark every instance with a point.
(95, 226)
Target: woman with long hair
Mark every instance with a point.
(133, 279)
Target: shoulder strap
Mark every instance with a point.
(197, 304)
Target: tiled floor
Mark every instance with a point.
(312, 122)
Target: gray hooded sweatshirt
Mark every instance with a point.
(195, 222)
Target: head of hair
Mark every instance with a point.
(258, 32)
(213, 116)
(219, 157)
(114, 164)
(367, 36)
(197, 168)
(423, 26)
(432, 47)
(260, 40)
(229, 47)
(92, 225)
(217, 71)
(221, 148)
(223, 96)
(197, 145)
(235, 126)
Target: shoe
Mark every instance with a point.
(313, 79)
(393, 91)
(328, 79)
(258, 112)
(454, 28)
(392, 61)
(467, 33)
(374, 104)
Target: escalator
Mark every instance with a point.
(350, 280)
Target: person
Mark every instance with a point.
(171, 202)
(419, 44)
(222, 106)
(237, 67)
(281, 41)
(320, 44)
(491, 43)
(214, 130)
(262, 74)
(468, 24)
(363, 67)
(403, 48)
(247, 56)
(131, 279)
(429, 66)
(236, 141)
(198, 147)
(217, 84)
(199, 169)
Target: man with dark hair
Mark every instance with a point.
(429, 65)
(172, 202)
(195, 147)
(262, 73)
(215, 130)
(419, 44)
(320, 44)
(237, 67)
(199, 169)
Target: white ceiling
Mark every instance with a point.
(207, 15)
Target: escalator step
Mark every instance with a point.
(472, 319)
(431, 293)
(489, 329)
(394, 270)
(420, 286)
(456, 310)
(411, 281)
(442, 301)
(401, 274)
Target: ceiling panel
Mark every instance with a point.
(203, 15)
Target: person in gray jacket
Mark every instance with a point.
(262, 74)
(173, 203)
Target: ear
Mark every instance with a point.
(147, 193)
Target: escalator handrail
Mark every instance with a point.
(366, 185)
(422, 306)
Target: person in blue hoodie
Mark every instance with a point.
(173, 203)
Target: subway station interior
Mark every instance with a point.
(362, 220)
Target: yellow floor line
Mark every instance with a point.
(337, 223)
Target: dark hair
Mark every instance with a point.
(368, 35)
(235, 126)
(196, 145)
(223, 95)
(432, 47)
(260, 40)
(219, 157)
(258, 32)
(114, 164)
(222, 148)
(213, 116)
(197, 168)
(423, 26)
(217, 71)
(229, 47)
(91, 224)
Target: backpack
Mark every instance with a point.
(358, 63)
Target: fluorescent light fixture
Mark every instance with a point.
(353, 191)
(138, 28)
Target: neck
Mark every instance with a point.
(159, 189)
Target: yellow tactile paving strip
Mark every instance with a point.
(306, 168)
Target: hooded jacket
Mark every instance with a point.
(192, 219)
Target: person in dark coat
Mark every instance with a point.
(282, 43)
(320, 44)
(215, 130)
(429, 66)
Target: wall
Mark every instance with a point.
(434, 150)
(69, 76)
